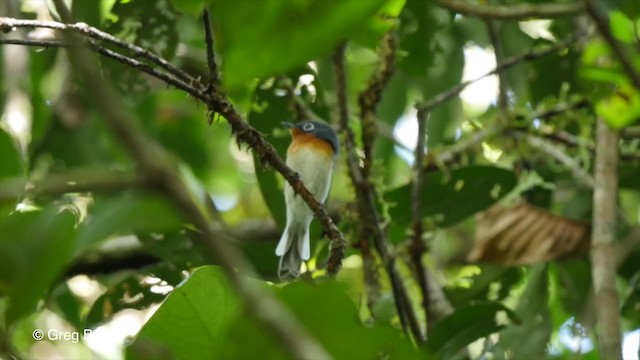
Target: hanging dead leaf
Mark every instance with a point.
(524, 235)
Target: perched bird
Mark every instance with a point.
(312, 154)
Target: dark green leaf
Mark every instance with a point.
(466, 325)
(450, 198)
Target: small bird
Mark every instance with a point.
(312, 154)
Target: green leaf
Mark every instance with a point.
(621, 27)
(322, 308)
(34, 247)
(193, 320)
(286, 34)
(129, 213)
(466, 325)
(622, 108)
(450, 198)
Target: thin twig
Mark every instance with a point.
(506, 64)
(603, 238)
(512, 12)
(417, 244)
(211, 59)
(371, 226)
(602, 23)
(155, 163)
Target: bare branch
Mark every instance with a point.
(156, 163)
(603, 259)
(371, 225)
(602, 23)
(512, 12)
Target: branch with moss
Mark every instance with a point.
(512, 12)
(156, 164)
(371, 96)
(371, 224)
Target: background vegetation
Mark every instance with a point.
(144, 176)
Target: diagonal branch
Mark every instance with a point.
(505, 65)
(512, 12)
(155, 162)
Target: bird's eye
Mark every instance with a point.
(308, 127)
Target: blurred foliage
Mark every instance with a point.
(274, 57)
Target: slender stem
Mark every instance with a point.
(211, 60)
(417, 244)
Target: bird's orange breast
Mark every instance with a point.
(309, 141)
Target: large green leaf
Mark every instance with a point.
(262, 38)
(466, 325)
(451, 197)
(34, 248)
(331, 317)
(192, 321)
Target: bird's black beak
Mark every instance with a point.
(288, 124)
